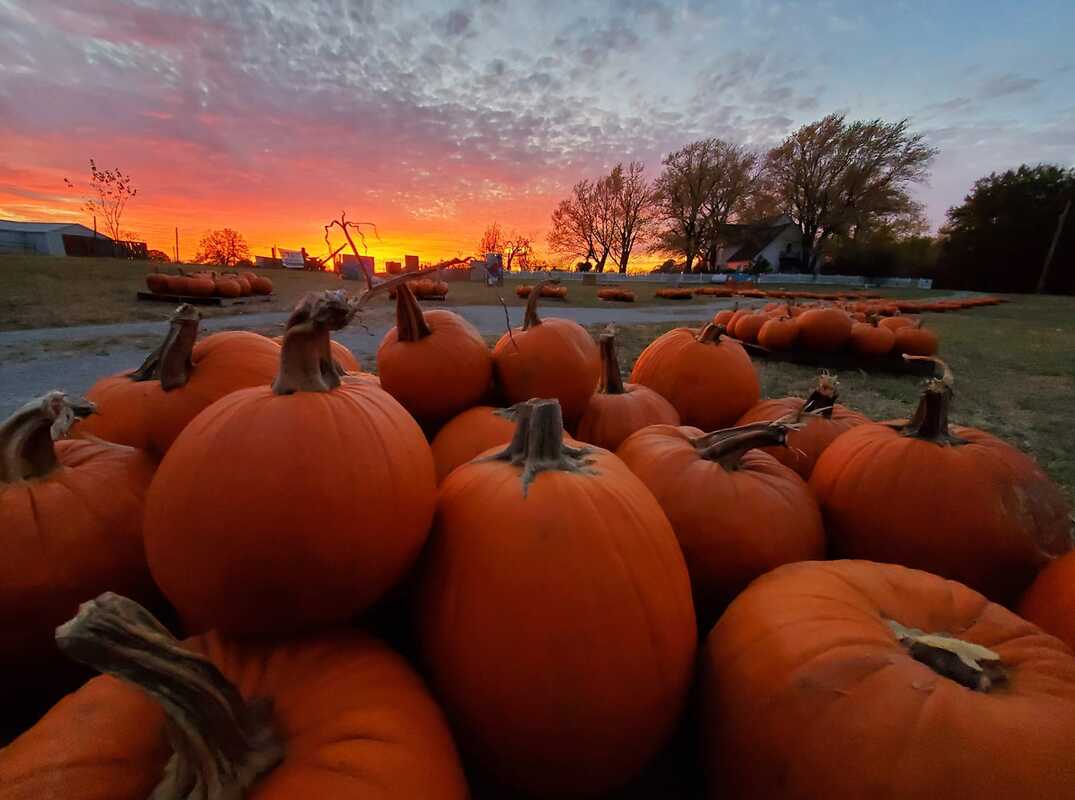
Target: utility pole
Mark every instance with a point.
(177, 244)
(1052, 247)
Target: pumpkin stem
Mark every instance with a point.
(222, 744)
(171, 362)
(727, 447)
(531, 318)
(26, 437)
(410, 322)
(538, 443)
(306, 363)
(711, 333)
(823, 398)
(968, 664)
(611, 380)
(930, 420)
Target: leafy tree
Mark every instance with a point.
(224, 247)
(998, 239)
(832, 176)
(111, 190)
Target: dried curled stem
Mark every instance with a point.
(171, 363)
(27, 436)
(968, 664)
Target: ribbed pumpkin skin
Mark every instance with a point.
(981, 513)
(779, 334)
(440, 375)
(733, 525)
(556, 359)
(807, 693)
(1050, 601)
(710, 385)
(467, 435)
(562, 642)
(142, 415)
(611, 418)
(805, 446)
(824, 330)
(337, 496)
(355, 719)
(870, 340)
(68, 536)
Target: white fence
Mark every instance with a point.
(676, 279)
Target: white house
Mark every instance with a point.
(44, 238)
(776, 240)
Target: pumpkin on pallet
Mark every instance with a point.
(674, 294)
(616, 295)
(332, 714)
(580, 703)
(546, 289)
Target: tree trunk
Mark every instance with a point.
(623, 262)
(601, 261)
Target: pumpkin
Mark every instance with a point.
(1050, 601)
(548, 358)
(674, 294)
(618, 409)
(818, 419)
(916, 340)
(243, 281)
(950, 500)
(554, 613)
(329, 715)
(200, 285)
(157, 283)
(149, 407)
(747, 327)
(724, 316)
(869, 339)
(824, 330)
(337, 493)
(435, 364)
(779, 333)
(843, 680)
(227, 286)
(736, 511)
(70, 527)
(345, 360)
(895, 323)
(470, 434)
(708, 378)
(259, 284)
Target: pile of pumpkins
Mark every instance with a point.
(674, 294)
(571, 576)
(552, 291)
(426, 288)
(829, 329)
(615, 294)
(208, 284)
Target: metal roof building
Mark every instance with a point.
(45, 238)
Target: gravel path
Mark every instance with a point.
(28, 376)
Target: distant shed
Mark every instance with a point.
(43, 238)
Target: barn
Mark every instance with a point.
(43, 238)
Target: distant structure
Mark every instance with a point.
(62, 239)
(411, 263)
(393, 267)
(352, 267)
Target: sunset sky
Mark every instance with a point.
(433, 119)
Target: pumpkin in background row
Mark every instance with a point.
(895, 323)
(1050, 600)
(779, 333)
(330, 715)
(548, 358)
(736, 511)
(849, 679)
(821, 418)
(554, 613)
(435, 364)
(469, 434)
(708, 378)
(336, 485)
(824, 330)
(954, 501)
(70, 527)
(149, 407)
(870, 339)
(916, 340)
(748, 326)
(618, 409)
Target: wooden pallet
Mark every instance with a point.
(153, 297)
(841, 362)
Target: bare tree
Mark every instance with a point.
(516, 249)
(578, 231)
(224, 247)
(702, 184)
(492, 240)
(347, 226)
(832, 176)
(631, 199)
(112, 190)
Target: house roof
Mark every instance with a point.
(43, 227)
(749, 240)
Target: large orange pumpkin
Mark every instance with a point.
(824, 330)
(844, 680)
(346, 362)
(555, 613)
(335, 715)
(70, 528)
(916, 340)
(291, 506)
(870, 339)
(736, 510)
(779, 333)
(149, 407)
(820, 419)
(469, 434)
(548, 358)
(435, 364)
(707, 377)
(951, 500)
(1050, 600)
(619, 409)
